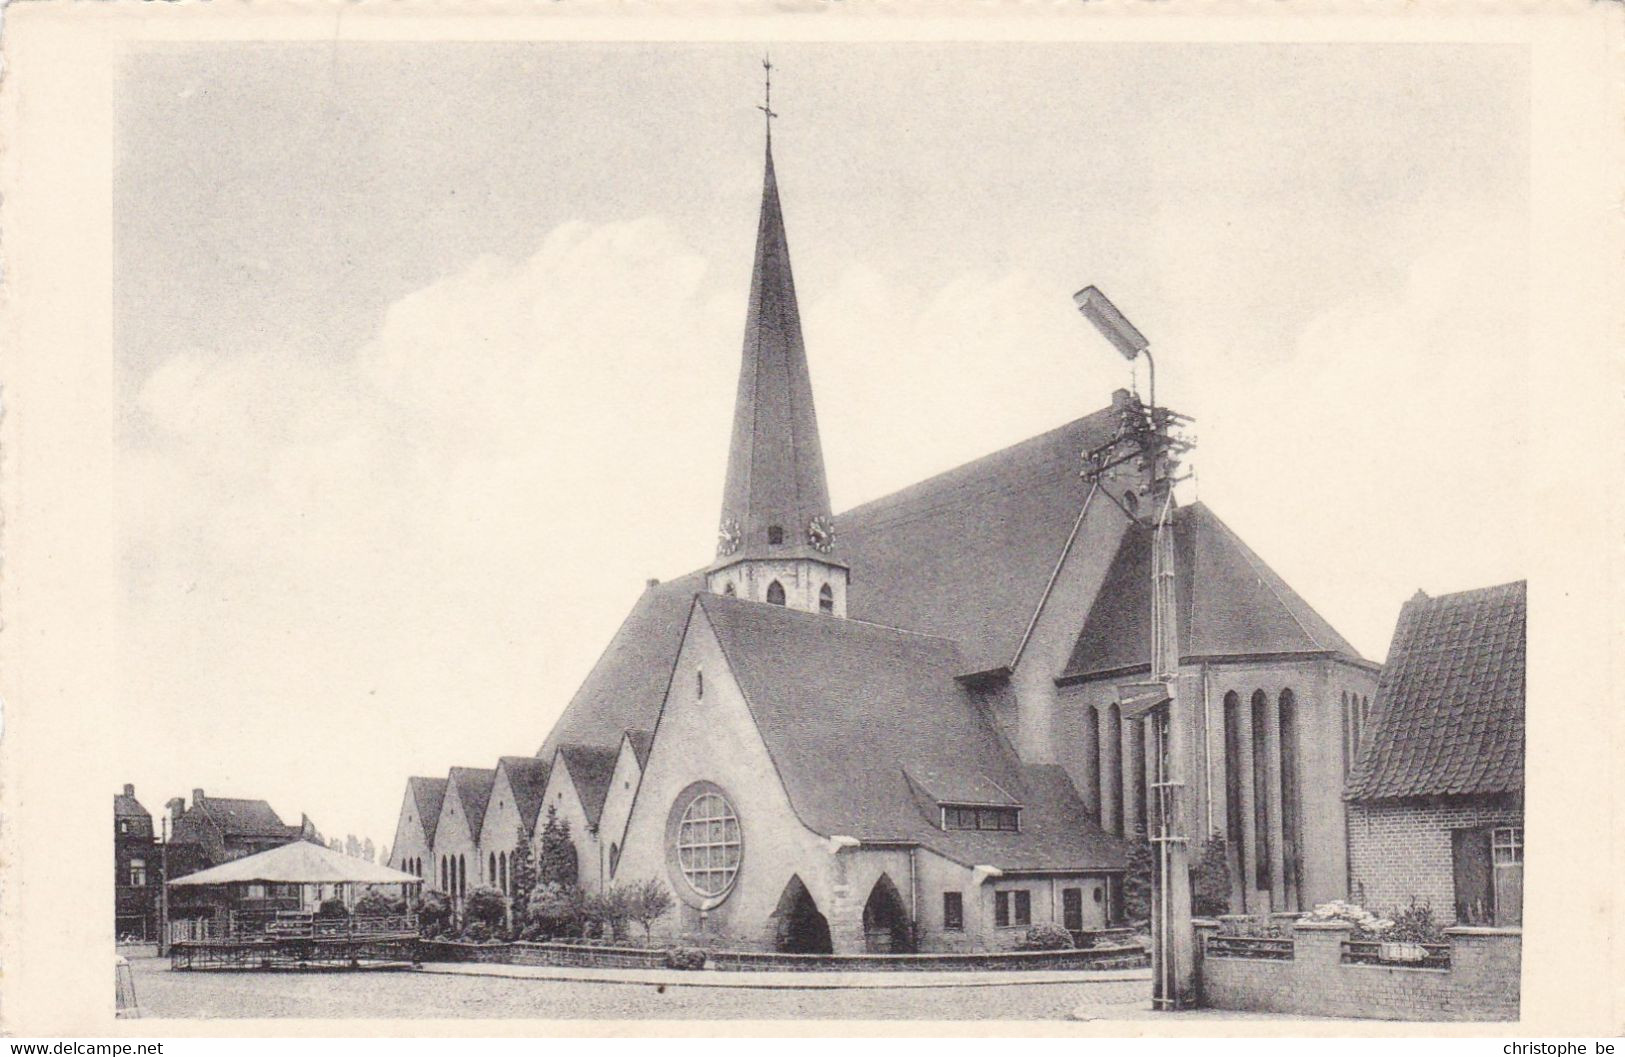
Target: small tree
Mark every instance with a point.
(557, 863)
(647, 902)
(1210, 879)
(333, 907)
(611, 909)
(522, 873)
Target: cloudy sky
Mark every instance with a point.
(427, 352)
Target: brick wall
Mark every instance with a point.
(1401, 850)
(1481, 984)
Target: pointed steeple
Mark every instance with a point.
(775, 504)
(775, 463)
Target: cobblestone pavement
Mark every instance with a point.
(163, 993)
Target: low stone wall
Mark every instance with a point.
(1125, 956)
(1114, 957)
(1481, 982)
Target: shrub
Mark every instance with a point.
(1210, 879)
(1414, 924)
(556, 910)
(434, 913)
(333, 908)
(608, 911)
(377, 905)
(477, 932)
(1142, 864)
(685, 958)
(486, 905)
(1046, 938)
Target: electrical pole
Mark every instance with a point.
(163, 888)
(1145, 450)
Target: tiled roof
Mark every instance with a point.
(473, 785)
(527, 777)
(429, 794)
(775, 464)
(592, 768)
(641, 741)
(245, 818)
(129, 807)
(849, 709)
(1230, 603)
(1449, 713)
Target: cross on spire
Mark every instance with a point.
(766, 106)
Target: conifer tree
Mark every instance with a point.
(557, 864)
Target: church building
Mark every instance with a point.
(900, 727)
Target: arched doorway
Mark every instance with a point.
(887, 928)
(798, 926)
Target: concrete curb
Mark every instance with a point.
(807, 981)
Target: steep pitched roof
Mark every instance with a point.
(428, 794)
(592, 768)
(966, 554)
(775, 464)
(641, 741)
(849, 710)
(624, 689)
(473, 785)
(1229, 602)
(127, 806)
(527, 777)
(1449, 713)
(242, 818)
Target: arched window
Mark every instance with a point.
(1291, 806)
(775, 535)
(462, 874)
(699, 683)
(491, 878)
(826, 599)
(728, 589)
(614, 857)
(1233, 814)
(445, 884)
(1261, 791)
(1114, 741)
(775, 593)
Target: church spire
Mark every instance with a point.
(775, 503)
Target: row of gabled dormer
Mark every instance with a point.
(465, 830)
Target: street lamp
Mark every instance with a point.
(1144, 438)
(1098, 309)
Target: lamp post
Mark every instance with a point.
(1144, 438)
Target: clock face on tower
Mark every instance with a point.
(728, 537)
(821, 534)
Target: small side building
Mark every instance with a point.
(412, 850)
(456, 834)
(510, 816)
(578, 784)
(1436, 801)
(137, 878)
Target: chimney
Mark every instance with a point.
(652, 581)
(177, 808)
(129, 790)
(197, 797)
